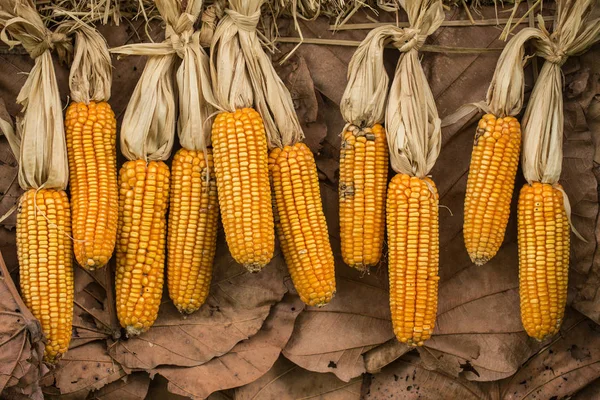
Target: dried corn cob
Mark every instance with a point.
(490, 185)
(192, 237)
(44, 250)
(363, 181)
(240, 158)
(301, 225)
(91, 148)
(413, 240)
(143, 201)
(544, 236)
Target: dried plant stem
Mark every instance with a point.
(356, 43)
(457, 23)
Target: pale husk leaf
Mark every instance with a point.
(412, 123)
(90, 77)
(364, 100)
(149, 122)
(148, 128)
(506, 91)
(543, 119)
(243, 75)
(40, 136)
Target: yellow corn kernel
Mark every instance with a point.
(490, 184)
(91, 132)
(544, 238)
(45, 263)
(240, 156)
(192, 232)
(363, 183)
(143, 201)
(413, 241)
(300, 223)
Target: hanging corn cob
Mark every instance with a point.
(495, 156)
(147, 137)
(240, 151)
(543, 210)
(194, 209)
(239, 136)
(91, 130)
(364, 154)
(414, 136)
(44, 246)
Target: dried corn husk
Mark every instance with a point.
(412, 123)
(364, 100)
(243, 75)
(149, 123)
(90, 77)
(39, 142)
(574, 32)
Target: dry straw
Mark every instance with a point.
(243, 75)
(149, 122)
(412, 122)
(574, 32)
(39, 143)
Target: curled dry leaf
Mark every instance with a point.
(21, 346)
(307, 101)
(246, 362)
(287, 381)
(565, 366)
(235, 310)
(408, 379)
(130, 387)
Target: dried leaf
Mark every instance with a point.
(246, 362)
(287, 381)
(235, 310)
(84, 369)
(130, 387)
(21, 346)
(407, 379)
(562, 368)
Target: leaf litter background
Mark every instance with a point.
(254, 339)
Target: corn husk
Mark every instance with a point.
(90, 77)
(149, 122)
(39, 142)
(243, 75)
(364, 100)
(412, 123)
(543, 124)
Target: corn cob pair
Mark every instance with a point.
(242, 165)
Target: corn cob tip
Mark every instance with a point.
(133, 331)
(479, 261)
(254, 267)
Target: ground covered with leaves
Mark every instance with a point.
(254, 339)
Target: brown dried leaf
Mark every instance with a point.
(130, 387)
(82, 370)
(563, 367)
(21, 346)
(246, 362)
(408, 379)
(287, 381)
(235, 310)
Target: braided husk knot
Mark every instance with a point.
(404, 44)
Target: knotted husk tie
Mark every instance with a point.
(243, 75)
(364, 100)
(543, 122)
(39, 142)
(412, 123)
(149, 122)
